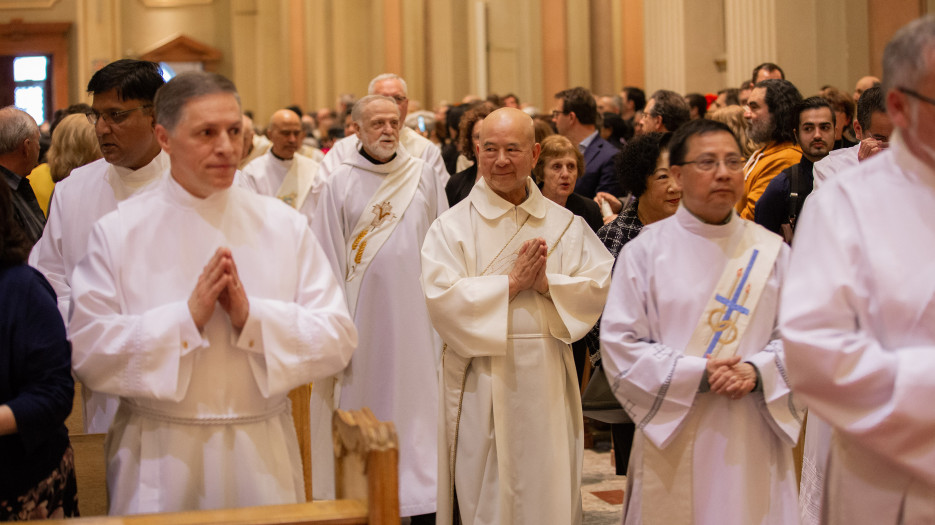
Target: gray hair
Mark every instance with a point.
(172, 97)
(387, 76)
(905, 62)
(15, 126)
(357, 113)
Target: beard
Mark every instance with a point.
(761, 131)
(380, 150)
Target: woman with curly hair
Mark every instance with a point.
(36, 387)
(559, 166)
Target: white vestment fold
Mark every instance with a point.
(742, 470)
(858, 318)
(203, 419)
(295, 181)
(394, 369)
(89, 193)
(511, 424)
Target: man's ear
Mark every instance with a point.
(162, 137)
(858, 131)
(897, 107)
(675, 171)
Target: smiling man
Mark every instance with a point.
(177, 312)
(122, 115)
(690, 348)
(781, 203)
(511, 279)
(372, 217)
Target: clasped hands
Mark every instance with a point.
(219, 283)
(529, 269)
(729, 377)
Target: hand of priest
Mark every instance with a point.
(233, 298)
(212, 281)
(729, 377)
(530, 262)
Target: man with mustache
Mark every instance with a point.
(814, 133)
(372, 216)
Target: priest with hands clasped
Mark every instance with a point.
(690, 345)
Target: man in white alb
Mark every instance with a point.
(393, 86)
(202, 304)
(511, 279)
(283, 173)
(371, 219)
(691, 349)
(122, 114)
(857, 312)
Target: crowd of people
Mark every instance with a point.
(723, 261)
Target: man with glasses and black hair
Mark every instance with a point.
(857, 310)
(122, 115)
(690, 346)
(575, 118)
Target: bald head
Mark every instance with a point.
(507, 152)
(285, 132)
(864, 84)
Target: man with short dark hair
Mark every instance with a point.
(766, 71)
(632, 102)
(781, 202)
(19, 154)
(665, 112)
(770, 111)
(857, 309)
(872, 128)
(282, 172)
(575, 118)
(201, 305)
(122, 114)
(690, 348)
(697, 105)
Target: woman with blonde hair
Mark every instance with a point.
(74, 144)
(733, 117)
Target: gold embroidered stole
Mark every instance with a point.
(667, 472)
(378, 221)
(297, 182)
(454, 365)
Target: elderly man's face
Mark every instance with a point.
(507, 153)
(286, 134)
(379, 129)
(206, 144)
(648, 122)
(129, 143)
(914, 113)
(710, 194)
(393, 88)
(757, 114)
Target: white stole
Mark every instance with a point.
(667, 473)
(296, 184)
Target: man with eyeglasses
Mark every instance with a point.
(122, 115)
(857, 310)
(575, 118)
(770, 111)
(690, 347)
(394, 87)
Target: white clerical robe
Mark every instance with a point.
(266, 174)
(517, 430)
(836, 161)
(394, 369)
(858, 318)
(417, 146)
(742, 469)
(204, 419)
(89, 193)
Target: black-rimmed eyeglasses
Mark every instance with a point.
(113, 117)
(916, 94)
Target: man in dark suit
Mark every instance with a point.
(575, 117)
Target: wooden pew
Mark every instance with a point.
(366, 452)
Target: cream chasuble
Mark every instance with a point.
(204, 420)
(372, 219)
(740, 452)
(511, 425)
(858, 317)
(295, 181)
(89, 193)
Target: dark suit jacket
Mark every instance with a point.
(599, 173)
